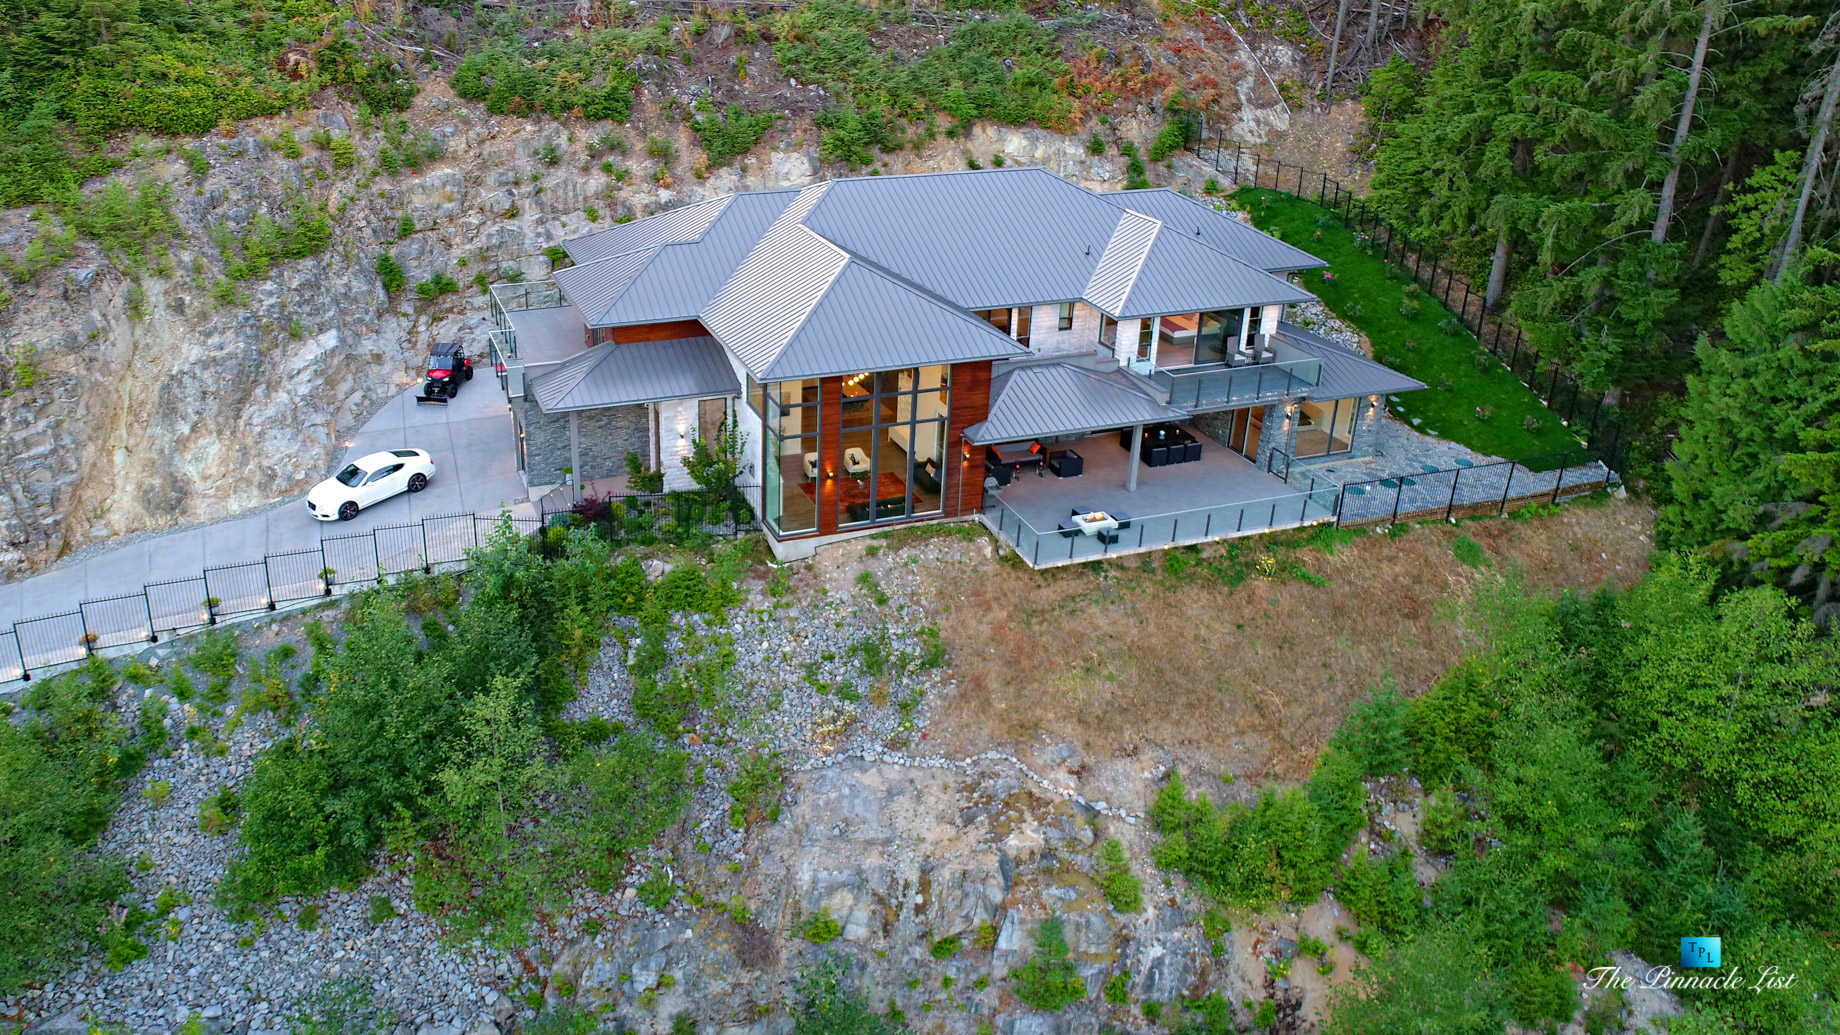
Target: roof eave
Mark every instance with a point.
(772, 373)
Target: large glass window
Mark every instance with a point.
(1325, 427)
(1023, 317)
(790, 485)
(892, 454)
(1065, 320)
(1108, 333)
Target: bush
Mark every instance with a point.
(945, 948)
(730, 136)
(391, 274)
(583, 77)
(1118, 988)
(1048, 981)
(820, 927)
(1123, 890)
(437, 285)
(827, 1003)
(1374, 733)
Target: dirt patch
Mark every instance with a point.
(1235, 673)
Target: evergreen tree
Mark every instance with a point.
(1757, 449)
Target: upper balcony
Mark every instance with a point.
(1214, 360)
(534, 324)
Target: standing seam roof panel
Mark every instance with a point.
(1117, 271)
(679, 279)
(1179, 275)
(592, 286)
(1197, 221)
(678, 224)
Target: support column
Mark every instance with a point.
(1137, 442)
(575, 456)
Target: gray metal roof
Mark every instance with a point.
(1194, 218)
(1181, 276)
(868, 319)
(775, 287)
(985, 239)
(1346, 373)
(592, 286)
(771, 273)
(675, 280)
(678, 224)
(1110, 284)
(1040, 400)
(642, 372)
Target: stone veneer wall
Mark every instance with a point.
(605, 437)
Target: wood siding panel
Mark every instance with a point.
(830, 451)
(970, 403)
(659, 331)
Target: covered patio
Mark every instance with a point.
(1213, 493)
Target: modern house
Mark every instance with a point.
(1001, 344)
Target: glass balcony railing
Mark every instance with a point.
(1046, 548)
(1189, 387)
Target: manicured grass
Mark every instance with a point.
(1366, 292)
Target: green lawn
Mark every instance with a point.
(1365, 292)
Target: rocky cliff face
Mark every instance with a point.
(146, 400)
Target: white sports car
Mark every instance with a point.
(370, 479)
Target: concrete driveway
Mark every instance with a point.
(473, 446)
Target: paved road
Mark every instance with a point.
(470, 439)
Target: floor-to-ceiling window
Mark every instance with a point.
(791, 470)
(1325, 427)
(893, 444)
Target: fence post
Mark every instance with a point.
(1449, 279)
(1465, 309)
(427, 567)
(268, 582)
(89, 645)
(1258, 161)
(1516, 358)
(376, 557)
(1300, 171)
(210, 609)
(1398, 492)
(1505, 487)
(1556, 483)
(1339, 497)
(325, 580)
(1322, 190)
(153, 635)
(1496, 348)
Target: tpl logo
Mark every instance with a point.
(1699, 952)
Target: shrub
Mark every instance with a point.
(827, 1003)
(727, 137)
(1374, 733)
(391, 274)
(382, 909)
(986, 937)
(582, 76)
(218, 813)
(344, 153)
(821, 927)
(1532, 424)
(437, 285)
(945, 948)
(1123, 890)
(660, 148)
(1469, 551)
(1048, 981)
(157, 792)
(1095, 145)
(1118, 988)
(405, 226)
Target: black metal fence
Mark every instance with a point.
(1589, 413)
(437, 543)
(1470, 490)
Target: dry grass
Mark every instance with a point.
(1130, 659)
